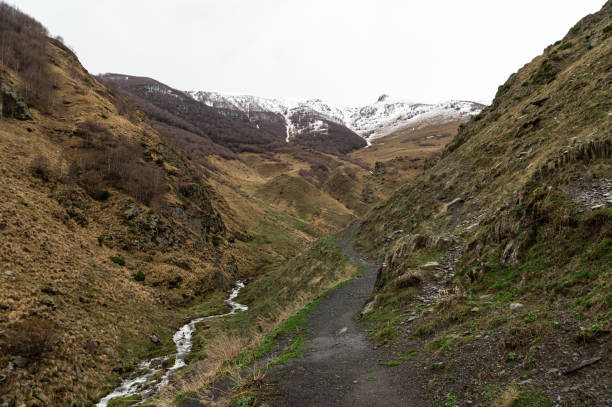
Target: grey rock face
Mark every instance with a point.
(11, 104)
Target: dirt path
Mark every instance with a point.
(341, 367)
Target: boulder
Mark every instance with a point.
(369, 307)
(131, 210)
(406, 245)
(92, 347)
(49, 303)
(454, 204)
(40, 396)
(409, 279)
(154, 338)
(20, 362)
(431, 266)
(50, 290)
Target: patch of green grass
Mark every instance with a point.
(392, 363)
(411, 353)
(450, 400)
(532, 398)
(245, 400)
(184, 395)
(293, 351)
(139, 275)
(441, 344)
(293, 325)
(118, 260)
(125, 401)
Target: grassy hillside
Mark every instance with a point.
(107, 232)
(115, 228)
(516, 214)
(116, 224)
(399, 157)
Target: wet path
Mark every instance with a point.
(341, 367)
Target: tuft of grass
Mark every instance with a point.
(440, 345)
(125, 401)
(184, 395)
(411, 353)
(246, 400)
(293, 351)
(392, 363)
(139, 275)
(513, 397)
(118, 260)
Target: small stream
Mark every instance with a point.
(151, 375)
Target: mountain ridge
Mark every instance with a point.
(370, 121)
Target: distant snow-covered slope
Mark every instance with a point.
(370, 121)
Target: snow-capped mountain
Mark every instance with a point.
(377, 119)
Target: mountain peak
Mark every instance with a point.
(383, 97)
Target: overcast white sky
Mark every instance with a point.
(343, 51)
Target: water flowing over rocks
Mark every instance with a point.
(147, 380)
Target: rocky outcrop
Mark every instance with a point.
(11, 103)
(587, 151)
(198, 213)
(409, 243)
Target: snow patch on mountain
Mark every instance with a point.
(371, 121)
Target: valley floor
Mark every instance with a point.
(341, 368)
(340, 364)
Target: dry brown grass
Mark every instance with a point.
(32, 338)
(508, 397)
(40, 167)
(409, 279)
(220, 350)
(520, 337)
(224, 348)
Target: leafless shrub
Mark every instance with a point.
(116, 162)
(354, 161)
(123, 105)
(32, 338)
(40, 167)
(350, 173)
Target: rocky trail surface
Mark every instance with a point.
(341, 367)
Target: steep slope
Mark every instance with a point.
(239, 129)
(496, 260)
(110, 237)
(304, 159)
(371, 121)
(400, 156)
